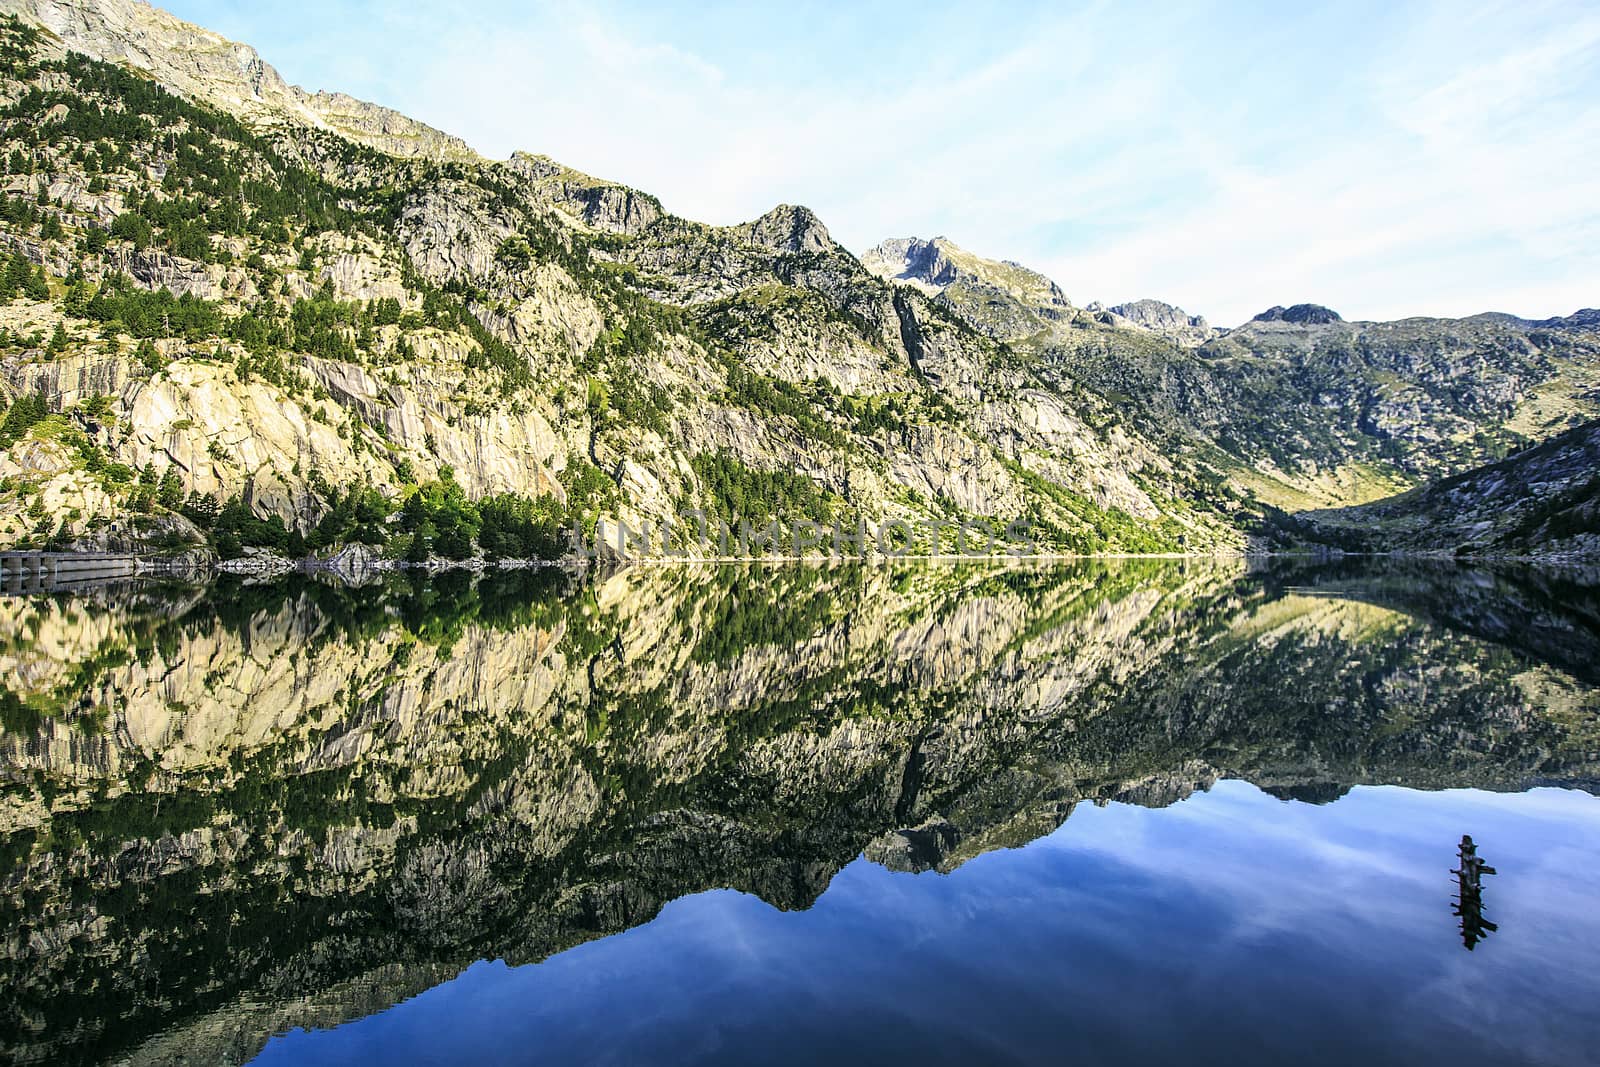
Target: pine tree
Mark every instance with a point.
(17, 275)
(76, 302)
(38, 286)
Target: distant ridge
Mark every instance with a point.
(1300, 315)
(203, 65)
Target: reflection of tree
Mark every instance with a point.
(1469, 900)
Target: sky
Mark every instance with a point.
(1383, 159)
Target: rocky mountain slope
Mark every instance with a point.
(239, 313)
(1160, 317)
(1544, 501)
(253, 314)
(1297, 406)
(1003, 299)
(204, 66)
(291, 805)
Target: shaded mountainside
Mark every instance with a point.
(229, 814)
(1543, 501)
(238, 312)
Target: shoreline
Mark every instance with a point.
(361, 557)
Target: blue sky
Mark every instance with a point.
(1382, 159)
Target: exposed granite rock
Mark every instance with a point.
(256, 563)
(789, 229)
(1002, 298)
(1166, 320)
(598, 204)
(351, 565)
(916, 848)
(914, 261)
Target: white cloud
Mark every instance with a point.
(1382, 161)
(1478, 194)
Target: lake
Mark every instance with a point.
(1136, 811)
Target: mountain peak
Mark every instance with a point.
(593, 202)
(1000, 297)
(923, 264)
(1584, 319)
(934, 264)
(201, 65)
(1163, 318)
(1299, 314)
(790, 228)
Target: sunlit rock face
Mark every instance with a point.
(376, 305)
(1162, 318)
(360, 791)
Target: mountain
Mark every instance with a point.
(1297, 407)
(251, 327)
(1300, 314)
(1307, 410)
(1587, 319)
(237, 313)
(206, 67)
(1544, 501)
(1003, 299)
(1171, 322)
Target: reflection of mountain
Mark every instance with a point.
(290, 807)
(1551, 615)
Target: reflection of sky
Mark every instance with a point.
(1231, 927)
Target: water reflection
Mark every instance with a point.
(1228, 927)
(237, 810)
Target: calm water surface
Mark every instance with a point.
(1134, 812)
(1228, 926)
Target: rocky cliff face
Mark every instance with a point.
(1005, 300)
(1300, 315)
(297, 804)
(1162, 318)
